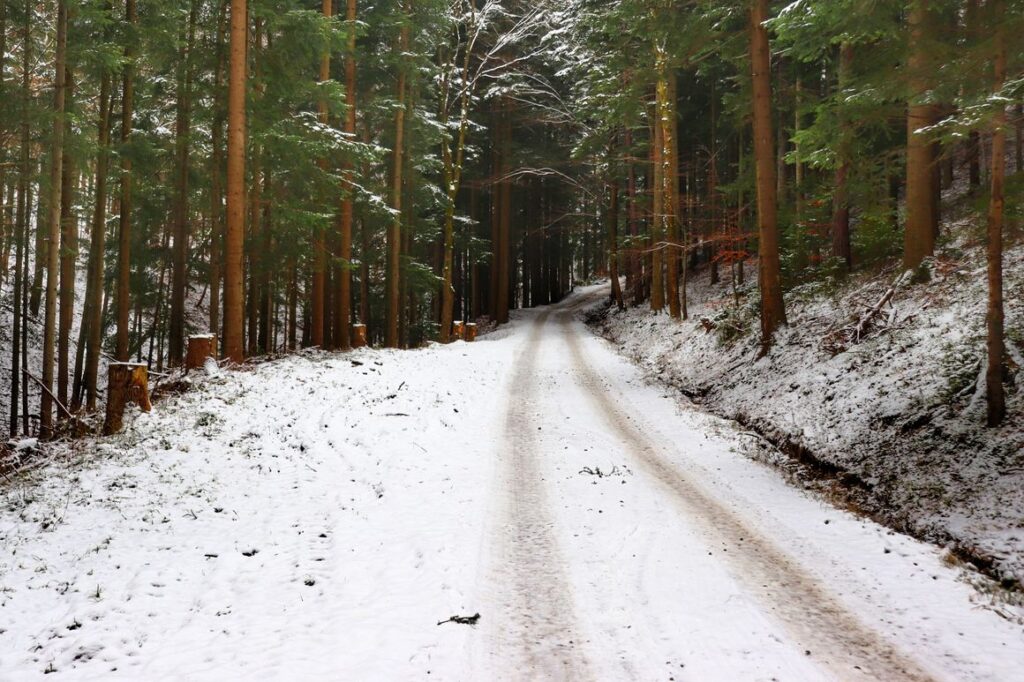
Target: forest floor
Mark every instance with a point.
(318, 516)
(892, 423)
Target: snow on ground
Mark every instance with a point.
(296, 519)
(900, 414)
(317, 516)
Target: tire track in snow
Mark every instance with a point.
(532, 633)
(834, 636)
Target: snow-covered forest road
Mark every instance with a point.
(318, 516)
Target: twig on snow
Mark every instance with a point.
(462, 620)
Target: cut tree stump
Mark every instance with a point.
(358, 335)
(469, 333)
(458, 330)
(128, 383)
(199, 349)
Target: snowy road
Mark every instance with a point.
(317, 517)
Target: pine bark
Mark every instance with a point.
(773, 313)
(92, 318)
(344, 339)
(68, 252)
(613, 229)
(666, 119)
(319, 292)
(503, 253)
(53, 222)
(216, 169)
(657, 209)
(995, 392)
(922, 223)
(394, 237)
(234, 237)
(841, 200)
(1019, 141)
(21, 225)
(972, 19)
(124, 237)
(179, 273)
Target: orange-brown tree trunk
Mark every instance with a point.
(919, 236)
(773, 312)
(216, 187)
(234, 234)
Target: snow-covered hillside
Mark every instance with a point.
(897, 417)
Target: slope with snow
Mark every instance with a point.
(900, 414)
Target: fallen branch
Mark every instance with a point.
(462, 620)
(839, 338)
(49, 393)
(874, 311)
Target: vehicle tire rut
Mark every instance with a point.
(535, 628)
(836, 638)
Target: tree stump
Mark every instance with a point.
(469, 332)
(358, 335)
(199, 349)
(458, 330)
(128, 383)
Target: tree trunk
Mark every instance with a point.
(234, 237)
(265, 235)
(841, 199)
(394, 239)
(40, 250)
(53, 222)
(179, 275)
(124, 238)
(216, 168)
(21, 234)
(613, 228)
(972, 19)
(994, 372)
(919, 237)
(68, 252)
(318, 303)
(666, 118)
(503, 251)
(293, 307)
(343, 338)
(773, 313)
(127, 383)
(92, 318)
(657, 208)
(1019, 124)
